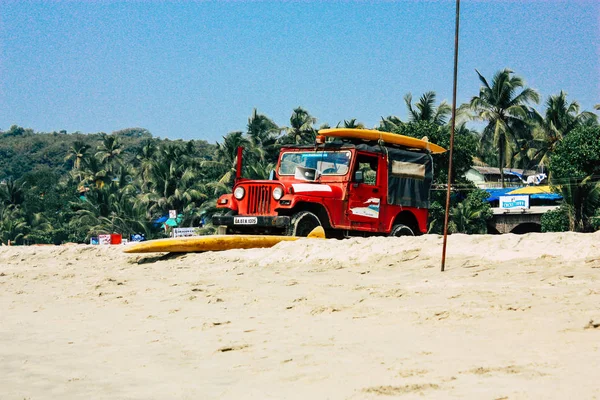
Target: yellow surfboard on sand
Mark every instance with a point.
(387, 137)
(215, 243)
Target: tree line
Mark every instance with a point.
(58, 187)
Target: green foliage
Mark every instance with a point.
(425, 109)
(465, 145)
(556, 220)
(577, 155)
(560, 118)
(506, 112)
(468, 214)
(301, 129)
(13, 226)
(575, 173)
(437, 212)
(471, 214)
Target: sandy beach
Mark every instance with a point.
(513, 317)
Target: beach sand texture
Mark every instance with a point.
(513, 317)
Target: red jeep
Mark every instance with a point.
(350, 187)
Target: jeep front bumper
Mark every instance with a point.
(248, 221)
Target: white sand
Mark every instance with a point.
(354, 319)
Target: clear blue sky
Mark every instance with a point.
(195, 70)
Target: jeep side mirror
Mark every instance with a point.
(358, 177)
(272, 175)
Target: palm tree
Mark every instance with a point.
(581, 199)
(301, 130)
(426, 109)
(173, 180)
(92, 172)
(506, 112)
(352, 124)
(261, 129)
(560, 118)
(109, 152)
(38, 225)
(263, 133)
(470, 215)
(226, 157)
(12, 193)
(77, 151)
(13, 226)
(145, 156)
(390, 124)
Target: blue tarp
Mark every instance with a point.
(546, 196)
(161, 219)
(166, 220)
(496, 193)
(513, 173)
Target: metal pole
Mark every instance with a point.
(452, 126)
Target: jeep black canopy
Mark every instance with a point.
(410, 174)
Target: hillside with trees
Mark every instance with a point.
(65, 187)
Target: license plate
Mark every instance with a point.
(245, 220)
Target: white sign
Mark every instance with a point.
(173, 214)
(184, 232)
(514, 202)
(103, 239)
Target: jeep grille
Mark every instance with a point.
(259, 199)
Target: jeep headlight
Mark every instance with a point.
(277, 193)
(239, 193)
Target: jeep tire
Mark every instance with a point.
(401, 230)
(302, 223)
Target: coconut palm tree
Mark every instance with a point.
(12, 193)
(92, 172)
(351, 124)
(581, 199)
(13, 226)
(560, 118)
(504, 106)
(471, 215)
(261, 129)
(109, 152)
(225, 162)
(390, 124)
(301, 130)
(77, 152)
(263, 134)
(144, 158)
(173, 181)
(425, 109)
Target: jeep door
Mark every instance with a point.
(364, 193)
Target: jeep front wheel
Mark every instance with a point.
(401, 230)
(302, 224)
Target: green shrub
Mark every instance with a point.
(556, 220)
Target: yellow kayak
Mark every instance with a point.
(387, 137)
(214, 243)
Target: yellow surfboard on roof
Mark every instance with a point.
(387, 137)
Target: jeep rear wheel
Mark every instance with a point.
(302, 224)
(401, 230)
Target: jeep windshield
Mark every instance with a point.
(326, 162)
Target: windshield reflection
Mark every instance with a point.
(326, 162)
